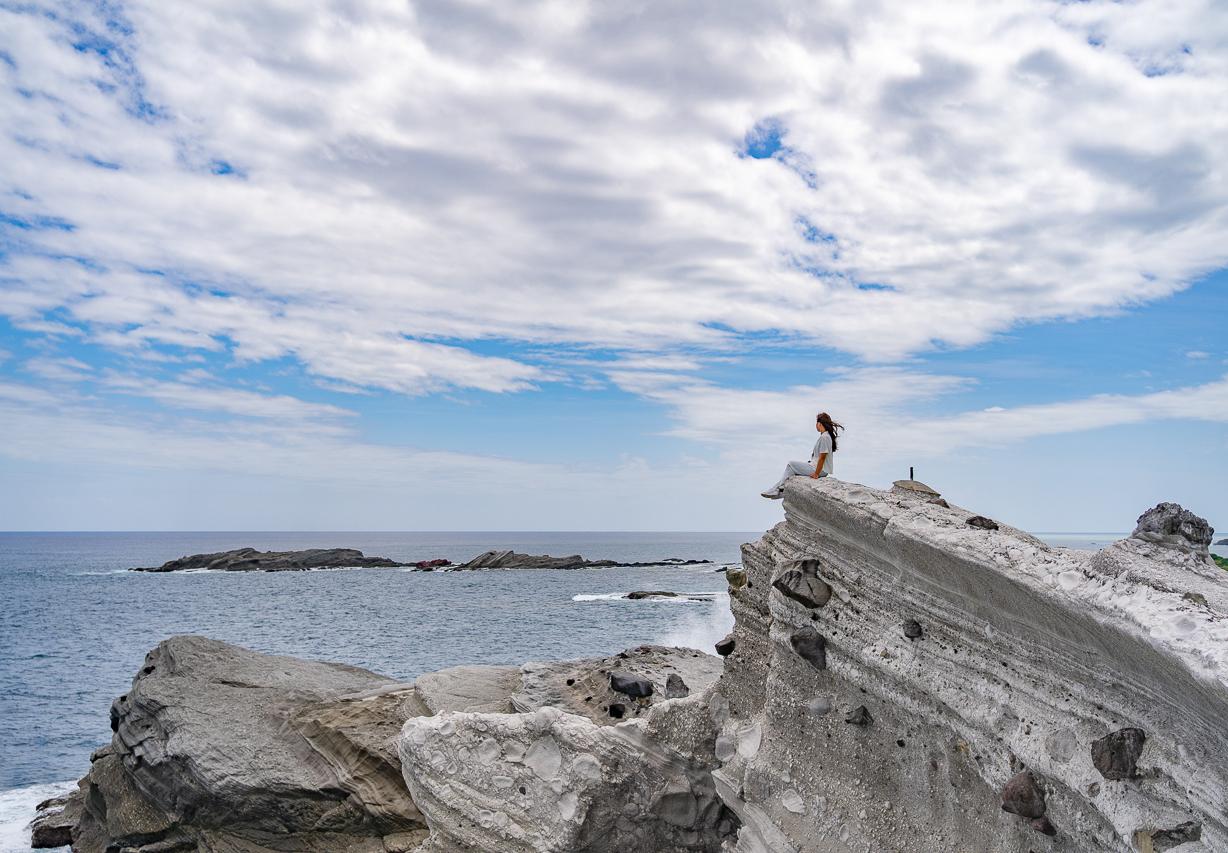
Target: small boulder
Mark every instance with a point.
(811, 646)
(725, 647)
(939, 502)
(915, 487)
(912, 629)
(1116, 754)
(860, 716)
(1170, 524)
(630, 685)
(675, 687)
(803, 584)
(982, 522)
(1022, 796)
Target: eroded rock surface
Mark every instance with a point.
(553, 782)
(1028, 656)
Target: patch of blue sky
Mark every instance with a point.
(6, 58)
(225, 167)
(764, 140)
(34, 222)
(1139, 350)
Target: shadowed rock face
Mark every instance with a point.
(251, 560)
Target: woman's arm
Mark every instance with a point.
(818, 466)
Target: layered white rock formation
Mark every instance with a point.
(1021, 657)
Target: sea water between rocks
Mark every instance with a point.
(75, 624)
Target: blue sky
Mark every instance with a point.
(412, 267)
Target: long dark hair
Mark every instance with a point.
(831, 427)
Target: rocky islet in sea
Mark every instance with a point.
(251, 560)
(972, 686)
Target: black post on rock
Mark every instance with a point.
(910, 476)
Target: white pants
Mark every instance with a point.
(794, 469)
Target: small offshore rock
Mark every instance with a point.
(811, 646)
(1022, 796)
(1116, 754)
(724, 647)
(1171, 524)
(803, 584)
(675, 687)
(982, 522)
(1044, 826)
(912, 629)
(657, 593)
(859, 717)
(631, 685)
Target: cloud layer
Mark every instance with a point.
(375, 188)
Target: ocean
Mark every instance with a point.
(75, 624)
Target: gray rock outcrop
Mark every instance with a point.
(251, 560)
(1029, 655)
(219, 748)
(514, 560)
(1170, 524)
(896, 680)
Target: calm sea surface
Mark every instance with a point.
(75, 625)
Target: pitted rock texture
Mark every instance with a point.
(221, 749)
(551, 782)
(1170, 524)
(1028, 655)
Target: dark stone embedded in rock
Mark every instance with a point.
(1170, 524)
(982, 522)
(803, 584)
(912, 629)
(675, 687)
(617, 710)
(1182, 833)
(1022, 796)
(631, 685)
(1044, 826)
(724, 647)
(860, 716)
(811, 646)
(1116, 754)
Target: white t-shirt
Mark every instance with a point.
(823, 445)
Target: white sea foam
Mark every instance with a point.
(17, 810)
(681, 598)
(701, 629)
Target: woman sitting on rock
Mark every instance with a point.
(820, 458)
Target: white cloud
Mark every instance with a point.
(59, 369)
(1197, 354)
(234, 401)
(406, 179)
